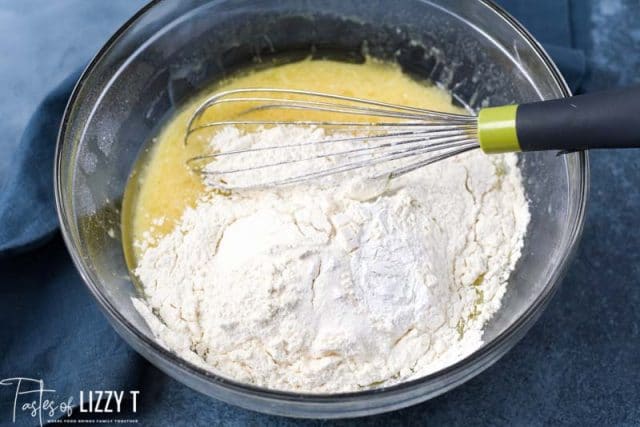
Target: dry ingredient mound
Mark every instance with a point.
(342, 285)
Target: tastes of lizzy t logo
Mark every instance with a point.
(31, 399)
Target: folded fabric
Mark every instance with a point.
(27, 207)
(550, 21)
(571, 62)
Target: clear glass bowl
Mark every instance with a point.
(171, 50)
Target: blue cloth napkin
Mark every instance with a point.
(550, 21)
(51, 327)
(27, 208)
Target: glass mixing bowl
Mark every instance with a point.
(171, 50)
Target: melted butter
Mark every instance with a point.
(162, 186)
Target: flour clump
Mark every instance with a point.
(342, 285)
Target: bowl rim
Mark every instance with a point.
(505, 340)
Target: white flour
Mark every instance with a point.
(338, 288)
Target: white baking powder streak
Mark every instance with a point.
(341, 286)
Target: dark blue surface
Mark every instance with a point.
(579, 365)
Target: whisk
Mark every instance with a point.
(363, 133)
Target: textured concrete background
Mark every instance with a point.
(41, 42)
(580, 364)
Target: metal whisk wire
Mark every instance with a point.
(382, 133)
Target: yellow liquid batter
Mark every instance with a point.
(162, 186)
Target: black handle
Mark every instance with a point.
(599, 120)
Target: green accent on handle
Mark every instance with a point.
(497, 129)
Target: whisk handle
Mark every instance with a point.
(608, 119)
